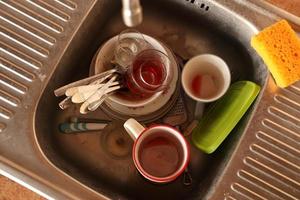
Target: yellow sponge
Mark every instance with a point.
(279, 47)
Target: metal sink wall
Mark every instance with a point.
(189, 30)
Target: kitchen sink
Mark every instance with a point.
(47, 44)
(188, 28)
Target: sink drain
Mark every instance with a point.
(116, 142)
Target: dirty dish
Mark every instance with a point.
(148, 73)
(123, 107)
(130, 43)
(70, 89)
(160, 153)
(95, 98)
(205, 78)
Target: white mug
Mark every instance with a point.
(210, 66)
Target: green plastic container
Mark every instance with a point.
(223, 116)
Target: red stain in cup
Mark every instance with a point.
(204, 86)
(196, 85)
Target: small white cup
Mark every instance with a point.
(206, 64)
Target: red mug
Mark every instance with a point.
(160, 153)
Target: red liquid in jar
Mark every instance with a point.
(160, 157)
(146, 76)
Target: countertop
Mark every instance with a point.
(9, 190)
(292, 6)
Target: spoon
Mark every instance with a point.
(97, 95)
(82, 93)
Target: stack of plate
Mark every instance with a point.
(144, 109)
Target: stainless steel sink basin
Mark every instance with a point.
(193, 31)
(82, 166)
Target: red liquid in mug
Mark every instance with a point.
(146, 76)
(160, 156)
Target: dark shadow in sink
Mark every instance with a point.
(187, 30)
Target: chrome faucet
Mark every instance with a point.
(132, 12)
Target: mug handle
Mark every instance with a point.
(133, 128)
